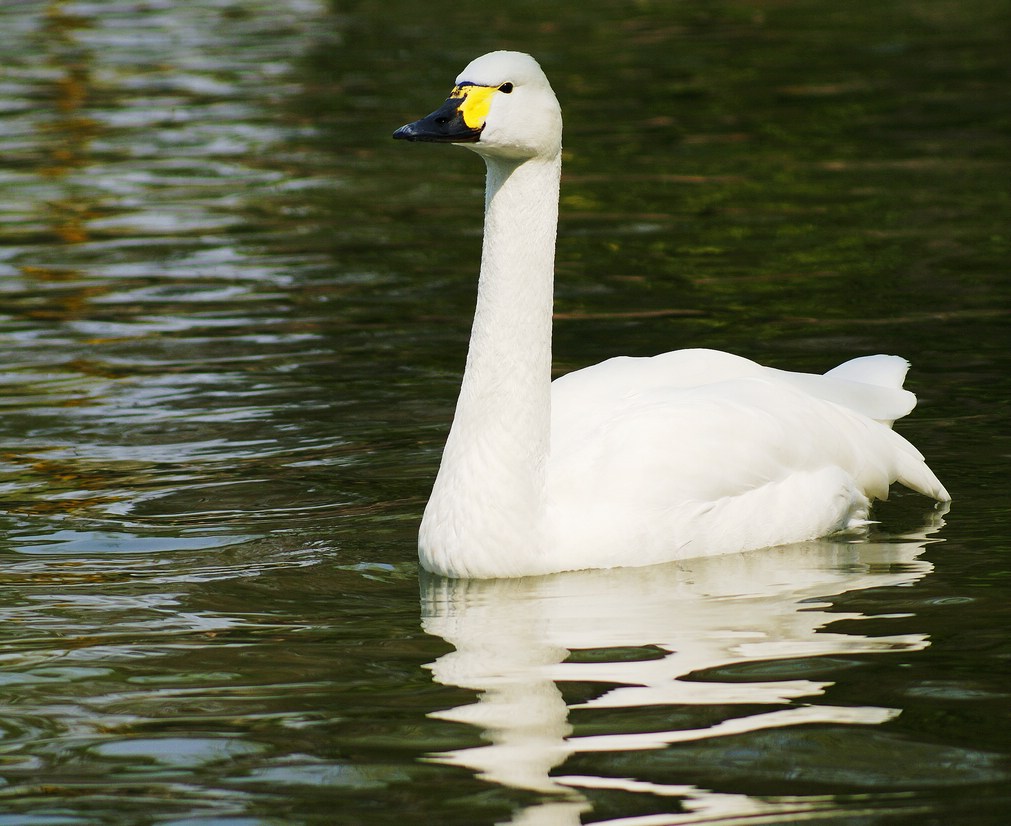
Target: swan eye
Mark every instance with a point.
(505, 88)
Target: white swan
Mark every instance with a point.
(633, 461)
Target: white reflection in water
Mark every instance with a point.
(513, 640)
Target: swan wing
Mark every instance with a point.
(720, 439)
(730, 454)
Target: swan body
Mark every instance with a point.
(633, 461)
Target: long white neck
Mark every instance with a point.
(486, 511)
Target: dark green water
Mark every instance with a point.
(233, 315)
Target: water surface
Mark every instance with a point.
(233, 315)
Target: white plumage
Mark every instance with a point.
(633, 461)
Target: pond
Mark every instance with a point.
(233, 318)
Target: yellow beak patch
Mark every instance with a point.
(475, 103)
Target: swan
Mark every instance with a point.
(633, 461)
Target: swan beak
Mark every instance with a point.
(459, 120)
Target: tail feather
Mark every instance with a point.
(883, 371)
(915, 475)
(871, 385)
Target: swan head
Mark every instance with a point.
(501, 106)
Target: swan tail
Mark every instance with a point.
(882, 371)
(893, 402)
(877, 382)
(871, 385)
(889, 372)
(915, 475)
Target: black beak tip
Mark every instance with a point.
(445, 125)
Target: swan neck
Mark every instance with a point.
(486, 509)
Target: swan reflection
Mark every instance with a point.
(652, 637)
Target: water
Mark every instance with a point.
(232, 320)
